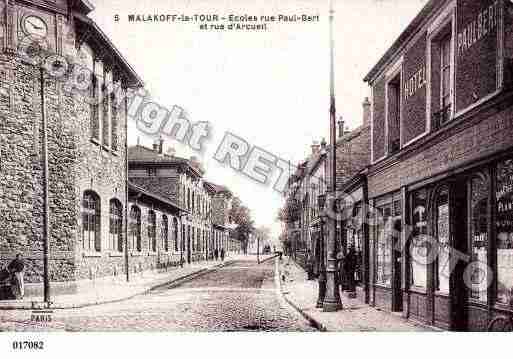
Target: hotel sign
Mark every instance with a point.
(416, 82)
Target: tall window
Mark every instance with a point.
(94, 108)
(504, 230)
(183, 238)
(91, 226)
(394, 114)
(135, 228)
(419, 244)
(165, 233)
(445, 79)
(175, 233)
(193, 239)
(116, 226)
(479, 238)
(105, 108)
(188, 199)
(152, 231)
(114, 122)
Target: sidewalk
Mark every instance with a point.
(355, 317)
(113, 290)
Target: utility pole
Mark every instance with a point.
(46, 204)
(332, 301)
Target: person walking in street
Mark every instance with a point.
(16, 269)
(216, 254)
(222, 254)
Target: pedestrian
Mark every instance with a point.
(349, 269)
(222, 254)
(16, 268)
(216, 254)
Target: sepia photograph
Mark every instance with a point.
(178, 168)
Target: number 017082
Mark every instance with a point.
(27, 345)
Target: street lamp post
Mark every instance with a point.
(332, 301)
(321, 200)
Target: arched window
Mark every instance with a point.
(135, 228)
(152, 231)
(165, 233)
(175, 233)
(91, 226)
(116, 226)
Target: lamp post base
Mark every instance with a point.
(322, 290)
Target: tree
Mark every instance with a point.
(241, 216)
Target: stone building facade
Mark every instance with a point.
(78, 122)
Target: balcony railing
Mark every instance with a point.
(440, 118)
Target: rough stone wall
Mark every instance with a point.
(21, 181)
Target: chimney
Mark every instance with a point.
(155, 146)
(366, 112)
(315, 147)
(161, 146)
(341, 131)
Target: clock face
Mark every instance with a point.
(34, 25)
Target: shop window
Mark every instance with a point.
(135, 228)
(442, 265)
(152, 231)
(165, 233)
(479, 239)
(116, 226)
(504, 230)
(91, 224)
(357, 242)
(384, 247)
(418, 244)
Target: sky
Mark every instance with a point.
(270, 88)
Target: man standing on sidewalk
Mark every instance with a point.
(16, 268)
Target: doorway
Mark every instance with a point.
(448, 294)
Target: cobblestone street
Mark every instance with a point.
(241, 296)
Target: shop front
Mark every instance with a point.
(458, 257)
(354, 237)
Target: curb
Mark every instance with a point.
(313, 322)
(173, 283)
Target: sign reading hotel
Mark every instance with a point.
(476, 50)
(416, 82)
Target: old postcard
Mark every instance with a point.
(241, 166)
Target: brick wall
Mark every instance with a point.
(492, 134)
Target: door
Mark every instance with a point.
(397, 298)
(450, 232)
(459, 241)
